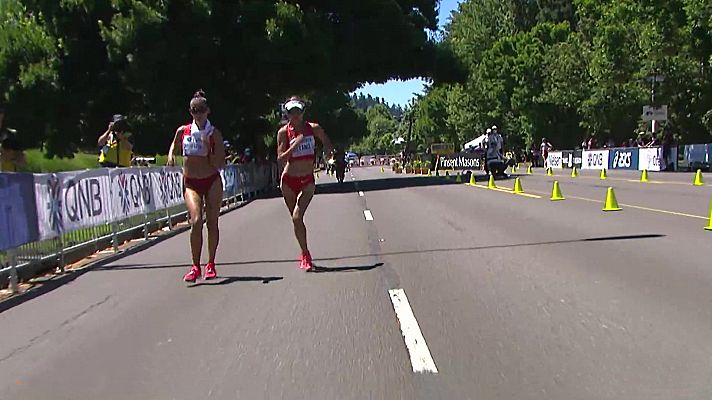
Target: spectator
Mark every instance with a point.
(116, 149)
(640, 141)
(592, 143)
(11, 154)
(652, 141)
(246, 156)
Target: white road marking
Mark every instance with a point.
(420, 357)
(360, 194)
(368, 215)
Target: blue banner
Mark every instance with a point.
(623, 158)
(18, 217)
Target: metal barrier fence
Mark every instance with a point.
(240, 184)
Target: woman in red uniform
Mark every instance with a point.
(296, 147)
(204, 156)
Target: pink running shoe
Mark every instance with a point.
(193, 274)
(302, 260)
(307, 262)
(210, 272)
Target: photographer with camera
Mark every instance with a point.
(116, 149)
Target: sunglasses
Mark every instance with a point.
(198, 110)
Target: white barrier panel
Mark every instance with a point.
(594, 159)
(554, 160)
(649, 158)
(68, 201)
(132, 192)
(72, 200)
(169, 183)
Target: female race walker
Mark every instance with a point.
(296, 146)
(204, 155)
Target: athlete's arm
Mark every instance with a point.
(323, 137)
(174, 144)
(217, 157)
(284, 150)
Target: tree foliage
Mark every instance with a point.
(67, 66)
(565, 69)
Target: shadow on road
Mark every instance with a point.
(321, 269)
(390, 182)
(393, 253)
(226, 280)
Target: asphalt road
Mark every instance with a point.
(508, 297)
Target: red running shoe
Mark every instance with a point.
(210, 272)
(193, 274)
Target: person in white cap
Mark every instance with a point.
(296, 146)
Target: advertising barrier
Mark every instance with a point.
(694, 156)
(36, 207)
(623, 158)
(460, 161)
(577, 158)
(649, 158)
(554, 160)
(594, 159)
(18, 219)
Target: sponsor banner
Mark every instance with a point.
(577, 158)
(229, 178)
(623, 158)
(132, 192)
(18, 219)
(567, 159)
(694, 156)
(649, 158)
(167, 186)
(594, 159)
(460, 161)
(42, 206)
(68, 201)
(554, 160)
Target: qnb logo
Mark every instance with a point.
(54, 205)
(595, 160)
(124, 193)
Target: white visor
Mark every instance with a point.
(291, 104)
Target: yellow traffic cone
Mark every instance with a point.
(382, 170)
(603, 174)
(317, 175)
(429, 174)
(556, 192)
(644, 176)
(491, 184)
(709, 225)
(611, 202)
(574, 173)
(698, 178)
(518, 186)
(529, 170)
(459, 178)
(549, 172)
(472, 178)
